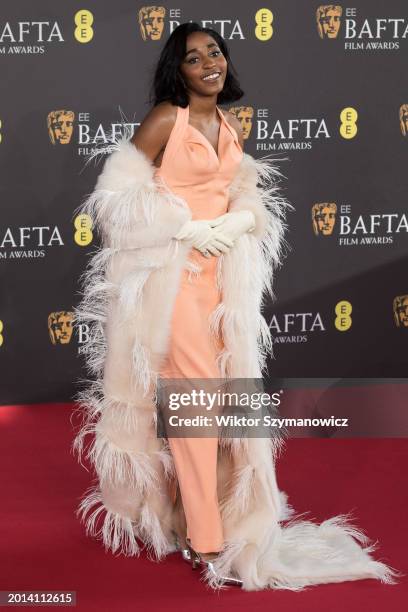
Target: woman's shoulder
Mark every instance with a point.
(163, 115)
(154, 131)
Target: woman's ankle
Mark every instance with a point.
(208, 555)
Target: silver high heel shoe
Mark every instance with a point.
(197, 561)
(185, 552)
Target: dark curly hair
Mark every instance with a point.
(167, 81)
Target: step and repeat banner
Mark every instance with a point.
(325, 91)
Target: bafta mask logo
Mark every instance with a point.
(60, 326)
(328, 20)
(400, 309)
(60, 124)
(151, 22)
(324, 218)
(403, 117)
(245, 115)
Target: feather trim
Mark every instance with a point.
(120, 534)
(130, 206)
(117, 533)
(299, 555)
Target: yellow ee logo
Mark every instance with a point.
(83, 225)
(343, 319)
(263, 20)
(83, 21)
(1, 332)
(348, 118)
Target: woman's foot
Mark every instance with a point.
(208, 556)
(206, 560)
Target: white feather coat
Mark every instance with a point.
(128, 291)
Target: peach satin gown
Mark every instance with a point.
(192, 169)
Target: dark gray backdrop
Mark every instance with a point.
(292, 75)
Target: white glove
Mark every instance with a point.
(234, 224)
(204, 238)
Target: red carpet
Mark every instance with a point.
(44, 547)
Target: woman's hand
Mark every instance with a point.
(205, 238)
(234, 224)
(217, 244)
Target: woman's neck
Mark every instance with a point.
(203, 108)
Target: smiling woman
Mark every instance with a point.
(192, 232)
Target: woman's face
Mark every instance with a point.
(203, 58)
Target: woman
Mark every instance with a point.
(192, 230)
